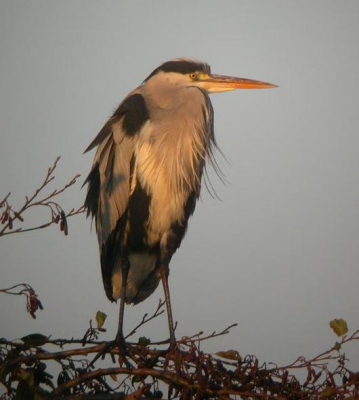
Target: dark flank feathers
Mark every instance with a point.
(138, 213)
(104, 132)
(178, 230)
(109, 251)
(93, 191)
(135, 114)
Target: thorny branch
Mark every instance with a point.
(185, 372)
(9, 216)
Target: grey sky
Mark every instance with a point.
(279, 252)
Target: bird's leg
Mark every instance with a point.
(164, 271)
(125, 268)
(120, 339)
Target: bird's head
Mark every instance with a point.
(191, 73)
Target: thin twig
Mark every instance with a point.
(147, 318)
(9, 215)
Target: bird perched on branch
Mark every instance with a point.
(146, 176)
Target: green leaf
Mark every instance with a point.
(339, 326)
(337, 346)
(27, 375)
(25, 389)
(35, 340)
(138, 378)
(143, 341)
(100, 319)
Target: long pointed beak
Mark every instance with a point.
(220, 83)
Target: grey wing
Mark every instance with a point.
(110, 179)
(108, 194)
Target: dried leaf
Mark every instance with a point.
(137, 394)
(100, 319)
(63, 224)
(328, 392)
(339, 326)
(5, 217)
(113, 377)
(229, 355)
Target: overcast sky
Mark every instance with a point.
(278, 253)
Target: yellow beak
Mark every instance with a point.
(220, 83)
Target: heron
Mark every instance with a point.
(146, 177)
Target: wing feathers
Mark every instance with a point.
(109, 182)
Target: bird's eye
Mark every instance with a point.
(193, 76)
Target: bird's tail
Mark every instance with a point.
(143, 278)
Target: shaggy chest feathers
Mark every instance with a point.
(168, 167)
(169, 158)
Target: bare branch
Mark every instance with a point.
(186, 371)
(9, 216)
(32, 301)
(146, 319)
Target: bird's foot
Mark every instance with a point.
(173, 343)
(123, 347)
(119, 345)
(172, 346)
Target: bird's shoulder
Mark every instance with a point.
(131, 115)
